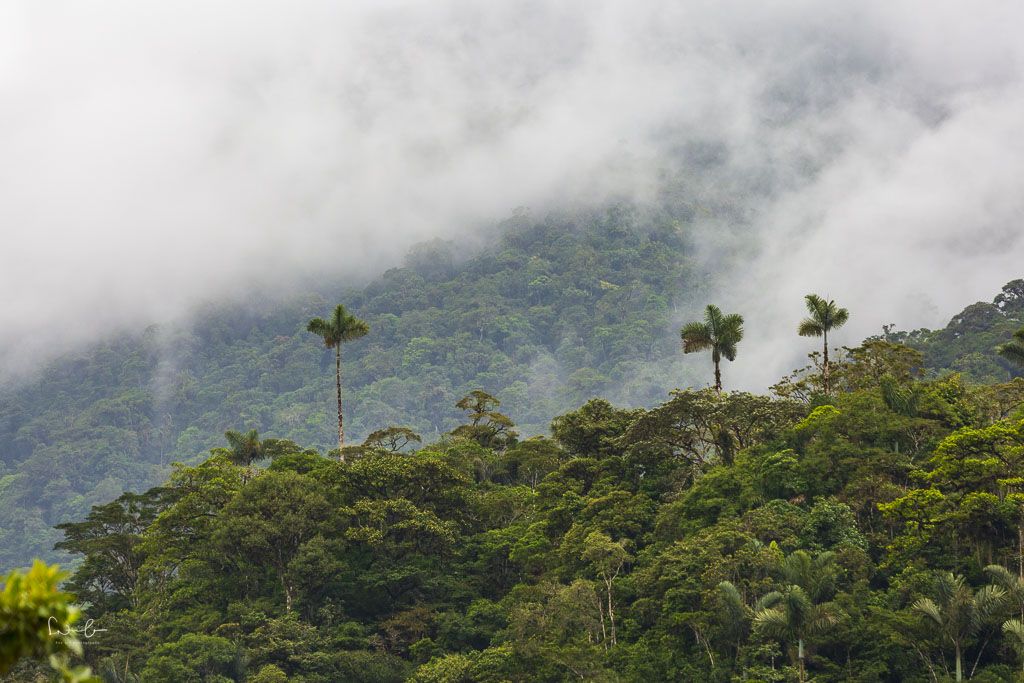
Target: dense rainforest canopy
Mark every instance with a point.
(873, 535)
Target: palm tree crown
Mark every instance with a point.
(340, 327)
(825, 315)
(719, 333)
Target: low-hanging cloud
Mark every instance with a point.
(155, 155)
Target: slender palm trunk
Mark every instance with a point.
(718, 373)
(828, 383)
(959, 665)
(341, 423)
(800, 657)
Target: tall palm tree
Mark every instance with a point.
(957, 612)
(799, 612)
(1013, 350)
(825, 316)
(791, 616)
(341, 327)
(719, 332)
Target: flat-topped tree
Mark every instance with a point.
(825, 316)
(487, 426)
(341, 327)
(719, 333)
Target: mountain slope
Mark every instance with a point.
(555, 311)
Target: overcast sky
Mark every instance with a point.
(154, 155)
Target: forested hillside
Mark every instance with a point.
(551, 313)
(871, 535)
(966, 345)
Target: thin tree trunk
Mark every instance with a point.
(800, 656)
(341, 423)
(604, 634)
(287, 593)
(977, 660)
(611, 612)
(1020, 552)
(828, 383)
(959, 665)
(718, 377)
(702, 641)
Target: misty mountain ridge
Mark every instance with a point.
(554, 312)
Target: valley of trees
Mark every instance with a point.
(864, 522)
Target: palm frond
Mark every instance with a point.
(768, 601)
(317, 326)
(696, 336)
(1013, 629)
(989, 601)
(927, 608)
(713, 316)
(1001, 576)
(772, 623)
(732, 602)
(354, 329)
(822, 618)
(325, 330)
(815, 304)
(947, 586)
(1013, 350)
(731, 329)
(810, 328)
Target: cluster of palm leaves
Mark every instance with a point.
(794, 614)
(957, 612)
(801, 609)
